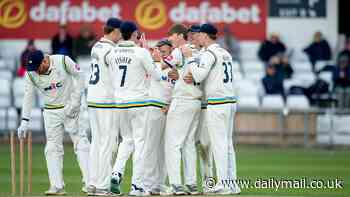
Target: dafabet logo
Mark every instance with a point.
(12, 14)
(151, 14)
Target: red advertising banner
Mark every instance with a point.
(40, 19)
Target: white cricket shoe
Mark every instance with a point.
(103, 192)
(178, 190)
(161, 190)
(91, 190)
(84, 189)
(219, 189)
(138, 191)
(235, 190)
(54, 191)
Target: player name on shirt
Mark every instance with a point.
(123, 60)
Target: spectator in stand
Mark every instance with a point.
(318, 50)
(283, 68)
(271, 48)
(272, 82)
(62, 42)
(346, 51)
(24, 57)
(84, 42)
(341, 79)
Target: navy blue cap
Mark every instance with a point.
(128, 27)
(34, 60)
(209, 29)
(195, 28)
(113, 22)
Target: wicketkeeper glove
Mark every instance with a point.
(72, 110)
(22, 129)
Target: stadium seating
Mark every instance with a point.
(5, 93)
(288, 83)
(246, 87)
(236, 67)
(12, 115)
(8, 119)
(255, 76)
(2, 64)
(6, 74)
(305, 79)
(302, 67)
(18, 91)
(248, 102)
(299, 102)
(327, 76)
(321, 64)
(272, 102)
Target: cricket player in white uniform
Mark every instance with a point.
(58, 79)
(182, 119)
(129, 65)
(202, 136)
(103, 119)
(154, 175)
(215, 70)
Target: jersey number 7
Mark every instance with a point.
(124, 68)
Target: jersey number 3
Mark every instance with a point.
(95, 74)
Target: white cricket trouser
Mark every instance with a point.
(125, 149)
(203, 146)
(133, 122)
(220, 121)
(181, 125)
(84, 121)
(154, 168)
(104, 135)
(55, 123)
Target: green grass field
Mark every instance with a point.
(253, 162)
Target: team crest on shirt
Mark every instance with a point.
(77, 66)
(53, 86)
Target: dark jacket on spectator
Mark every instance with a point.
(344, 52)
(82, 46)
(64, 48)
(273, 84)
(284, 71)
(341, 77)
(318, 51)
(269, 49)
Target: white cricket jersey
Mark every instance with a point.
(129, 66)
(100, 88)
(178, 60)
(161, 90)
(59, 86)
(215, 69)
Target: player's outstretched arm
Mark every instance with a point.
(26, 106)
(200, 71)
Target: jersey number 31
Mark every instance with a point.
(227, 72)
